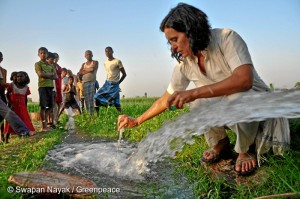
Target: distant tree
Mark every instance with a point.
(272, 86)
(297, 85)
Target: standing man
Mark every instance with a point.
(109, 93)
(88, 71)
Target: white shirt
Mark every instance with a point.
(225, 52)
(113, 69)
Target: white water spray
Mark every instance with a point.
(131, 162)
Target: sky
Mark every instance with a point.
(271, 29)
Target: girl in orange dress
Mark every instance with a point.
(17, 93)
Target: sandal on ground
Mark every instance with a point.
(46, 129)
(240, 161)
(30, 133)
(216, 156)
(225, 154)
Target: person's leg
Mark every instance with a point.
(78, 108)
(118, 103)
(45, 102)
(102, 97)
(217, 140)
(245, 137)
(58, 105)
(97, 109)
(51, 102)
(51, 116)
(82, 104)
(89, 91)
(62, 108)
(44, 119)
(14, 120)
(55, 110)
(6, 138)
(3, 98)
(2, 129)
(47, 118)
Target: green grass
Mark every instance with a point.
(25, 154)
(105, 124)
(33, 107)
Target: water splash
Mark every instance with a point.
(251, 107)
(132, 161)
(104, 157)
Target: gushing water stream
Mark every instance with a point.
(132, 161)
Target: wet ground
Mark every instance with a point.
(161, 182)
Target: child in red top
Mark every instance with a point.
(17, 93)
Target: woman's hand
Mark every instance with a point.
(179, 98)
(125, 121)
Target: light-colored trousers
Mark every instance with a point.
(249, 133)
(245, 135)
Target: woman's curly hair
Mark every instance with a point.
(193, 22)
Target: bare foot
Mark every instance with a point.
(245, 164)
(211, 154)
(31, 133)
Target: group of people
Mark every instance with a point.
(59, 88)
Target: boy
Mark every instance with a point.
(69, 100)
(46, 75)
(50, 111)
(64, 81)
(79, 89)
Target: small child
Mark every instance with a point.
(79, 89)
(17, 93)
(69, 100)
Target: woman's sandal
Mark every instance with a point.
(226, 153)
(216, 156)
(239, 162)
